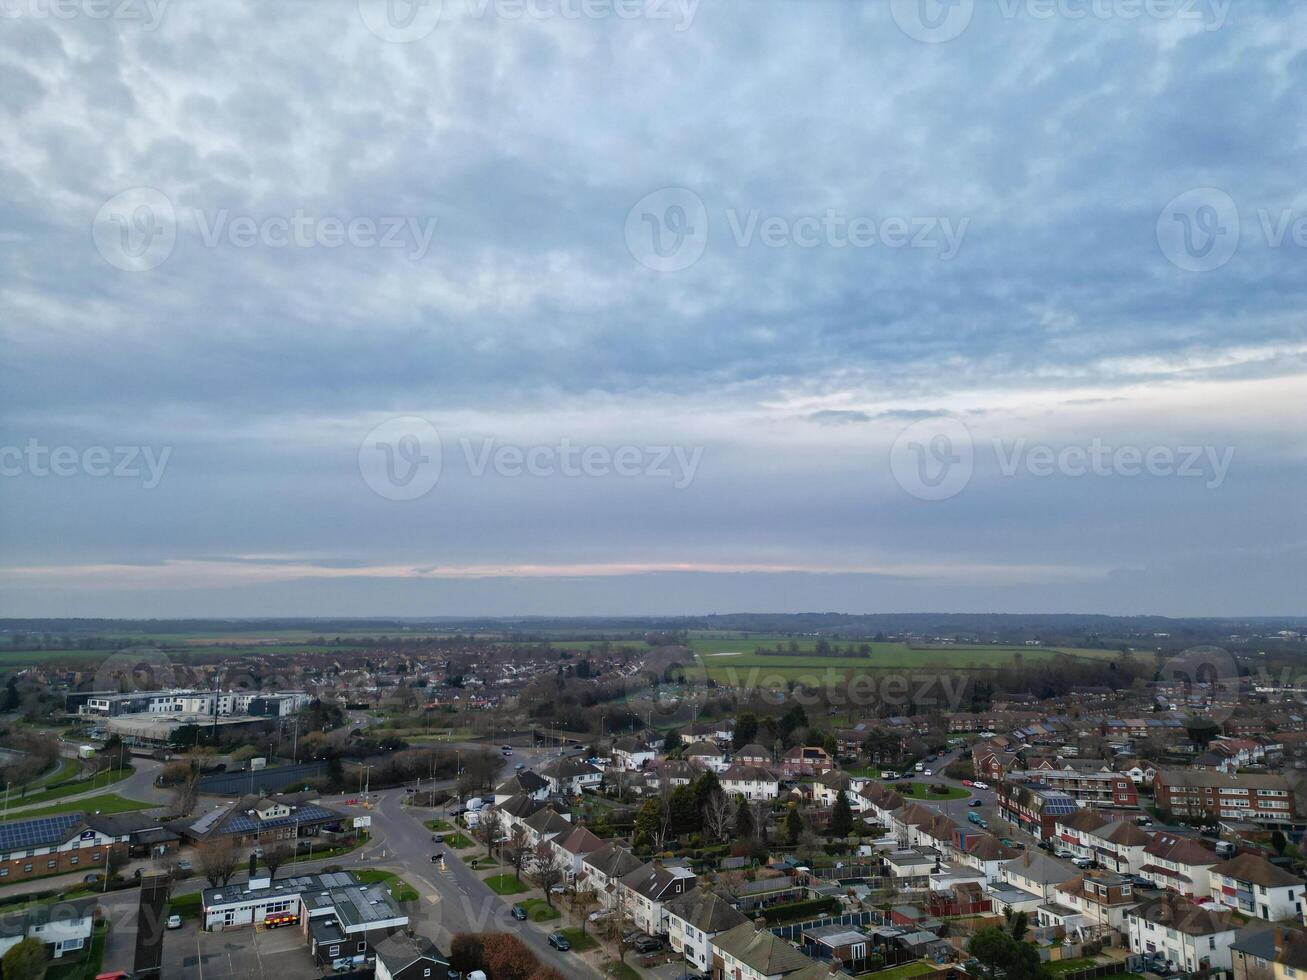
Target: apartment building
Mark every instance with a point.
(1034, 807)
(1087, 787)
(1219, 795)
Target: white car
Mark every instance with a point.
(929, 772)
(174, 921)
(979, 785)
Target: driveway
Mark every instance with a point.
(251, 952)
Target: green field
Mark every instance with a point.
(104, 803)
(506, 884)
(736, 662)
(103, 780)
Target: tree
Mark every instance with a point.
(746, 729)
(219, 859)
(793, 826)
(673, 743)
(186, 793)
(277, 855)
(583, 900)
(466, 953)
(841, 816)
(1279, 842)
(549, 870)
(1017, 923)
(25, 961)
(1002, 957)
(490, 826)
(517, 843)
(744, 826)
(717, 817)
(507, 958)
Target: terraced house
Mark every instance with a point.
(1252, 885)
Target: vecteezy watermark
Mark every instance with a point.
(1206, 673)
(36, 459)
(1200, 230)
(136, 230)
(668, 229)
(405, 21)
(938, 21)
(146, 13)
(402, 459)
(934, 459)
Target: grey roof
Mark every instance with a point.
(359, 906)
(399, 952)
(706, 911)
(18, 921)
(761, 950)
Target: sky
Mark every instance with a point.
(587, 307)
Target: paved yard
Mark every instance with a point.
(249, 953)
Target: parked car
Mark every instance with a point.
(519, 913)
(559, 942)
(437, 838)
(598, 916)
(929, 772)
(976, 803)
(1063, 852)
(648, 944)
(977, 784)
(557, 889)
(1084, 862)
(967, 782)
(174, 921)
(520, 766)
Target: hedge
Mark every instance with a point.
(813, 908)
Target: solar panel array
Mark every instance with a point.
(242, 823)
(37, 833)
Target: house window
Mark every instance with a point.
(362, 946)
(74, 859)
(335, 951)
(27, 867)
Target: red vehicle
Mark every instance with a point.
(280, 920)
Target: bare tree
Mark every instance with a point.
(517, 843)
(219, 859)
(583, 900)
(615, 924)
(274, 857)
(186, 794)
(490, 825)
(718, 815)
(549, 869)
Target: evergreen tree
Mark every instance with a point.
(841, 816)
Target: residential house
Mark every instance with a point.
(1179, 864)
(1252, 885)
(750, 781)
(63, 927)
(694, 919)
(402, 957)
(648, 888)
(1190, 936)
(569, 776)
(806, 760)
(751, 951)
(706, 755)
(632, 753)
(754, 754)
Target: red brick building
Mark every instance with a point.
(1219, 795)
(40, 846)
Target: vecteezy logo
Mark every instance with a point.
(932, 21)
(933, 459)
(135, 230)
(400, 458)
(400, 21)
(1202, 680)
(667, 230)
(1198, 231)
(135, 669)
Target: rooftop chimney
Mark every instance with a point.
(760, 923)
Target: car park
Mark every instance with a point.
(559, 942)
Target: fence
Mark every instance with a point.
(261, 780)
(794, 931)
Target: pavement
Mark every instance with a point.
(453, 899)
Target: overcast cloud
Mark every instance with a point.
(713, 307)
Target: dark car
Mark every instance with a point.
(648, 944)
(559, 942)
(437, 857)
(519, 913)
(976, 803)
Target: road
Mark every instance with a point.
(453, 898)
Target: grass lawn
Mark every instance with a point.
(105, 803)
(538, 910)
(507, 884)
(86, 963)
(104, 780)
(1066, 966)
(438, 825)
(900, 972)
(616, 968)
(67, 769)
(187, 906)
(400, 890)
(459, 841)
